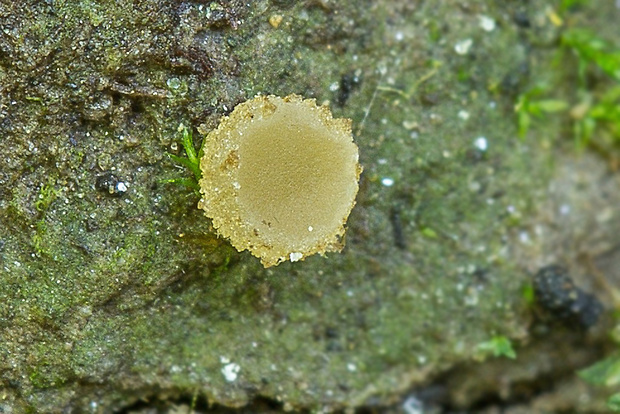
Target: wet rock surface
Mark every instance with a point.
(113, 293)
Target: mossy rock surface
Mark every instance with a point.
(113, 285)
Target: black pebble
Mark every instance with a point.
(109, 183)
(348, 83)
(565, 302)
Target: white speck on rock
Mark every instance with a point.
(463, 114)
(387, 182)
(524, 237)
(481, 143)
(121, 187)
(486, 23)
(413, 406)
(296, 256)
(231, 371)
(462, 47)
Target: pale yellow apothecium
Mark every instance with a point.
(279, 178)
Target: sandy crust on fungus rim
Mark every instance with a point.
(279, 178)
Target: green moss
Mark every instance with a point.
(498, 346)
(592, 107)
(191, 161)
(613, 403)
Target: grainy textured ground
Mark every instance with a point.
(113, 286)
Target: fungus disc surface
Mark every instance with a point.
(279, 178)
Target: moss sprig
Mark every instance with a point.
(191, 161)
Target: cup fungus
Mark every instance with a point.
(279, 178)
